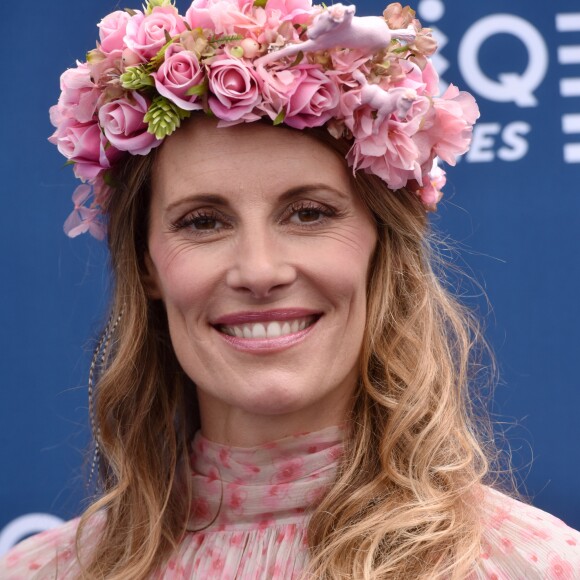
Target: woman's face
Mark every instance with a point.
(260, 251)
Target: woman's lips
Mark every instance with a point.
(272, 329)
(247, 317)
(266, 331)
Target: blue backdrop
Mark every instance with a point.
(513, 206)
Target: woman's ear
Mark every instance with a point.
(150, 279)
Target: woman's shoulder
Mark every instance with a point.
(48, 555)
(521, 541)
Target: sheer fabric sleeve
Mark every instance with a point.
(524, 542)
(49, 555)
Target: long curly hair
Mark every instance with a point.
(404, 503)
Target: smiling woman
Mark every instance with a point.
(286, 388)
(261, 250)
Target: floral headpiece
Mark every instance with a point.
(368, 79)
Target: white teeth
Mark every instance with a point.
(259, 331)
(273, 329)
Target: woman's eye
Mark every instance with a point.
(308, 215)
(205, 223)
(200, 223)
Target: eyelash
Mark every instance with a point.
(211, 215)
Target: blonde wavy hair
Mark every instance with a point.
(405, 501)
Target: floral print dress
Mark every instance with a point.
(249, 522)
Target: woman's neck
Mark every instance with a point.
(237, 427)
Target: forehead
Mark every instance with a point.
(201, 157)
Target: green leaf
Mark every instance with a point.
(198, 90)
(136, 78)
(280, 117)
(260, 3)
(225, 39)
(148, 7)
(164, 117)
(69, 162)
(158, 59)
(298, 59)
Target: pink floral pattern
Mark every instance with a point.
(250, 516)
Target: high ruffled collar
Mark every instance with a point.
(273, 483)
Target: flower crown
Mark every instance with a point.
(368, 79)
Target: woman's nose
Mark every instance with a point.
(260, 264)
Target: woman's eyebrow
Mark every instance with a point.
(209, 198)
(288, 195)
(301, 190)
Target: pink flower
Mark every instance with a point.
(431, 79)
(105, 70)
(221, 16)
(79, 95)
(412, 77)
(397, 16)
(179, 72)
(307, 95)
(387, 146)
(85, 145)
(448, 129)
(344, 61)
(388, 150)
(145, 34)
(112, 29)
(124, 127)
(235, 89)
(297, 11)
(431, 192)
(84, 219)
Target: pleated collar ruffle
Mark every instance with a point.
(273, 483)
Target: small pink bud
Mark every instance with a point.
(251, 47)
(131, 58)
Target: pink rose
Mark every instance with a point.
(235, 89)
(145, 35)
(308, 96)
(112, 29)
(85, 145)
(124, 127)
(79, 95)
(177, 75)
(221, 16)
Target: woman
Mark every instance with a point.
(283, 385)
